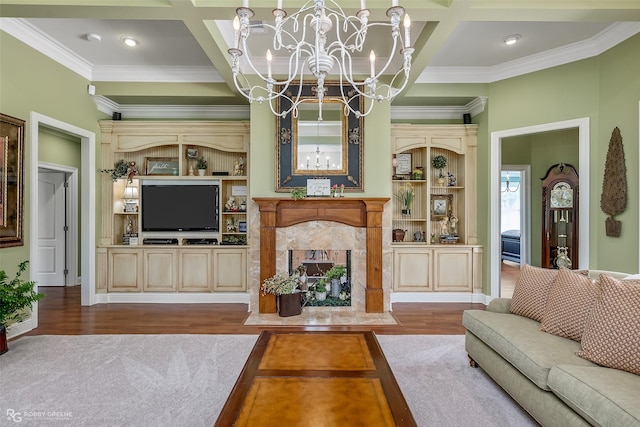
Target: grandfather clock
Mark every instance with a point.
(560, 217)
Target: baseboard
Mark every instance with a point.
(174, 298)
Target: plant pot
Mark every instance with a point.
(3, 340)
(321, 296)
(441, 181)
(201, 172)
(406, 212)
(398, 235)
(290, 304)
(335, 288)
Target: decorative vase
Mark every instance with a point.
(406, 212)
(290, 304)
(335, 288)
(321, 296)
(398, 235)
(441, 181)
(201, 172)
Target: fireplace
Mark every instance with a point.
(316, 266)
(299, 223)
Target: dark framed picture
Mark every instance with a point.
(162, 166)
(441, 206)
(11, 181)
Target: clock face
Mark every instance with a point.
(562, 196)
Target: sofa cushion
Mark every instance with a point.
(603, 396)
(520, 341)
(612, 335)
(569, 303)
(531, 290)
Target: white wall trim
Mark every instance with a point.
(88, 209)
(583, 125)
(437, 297)
(141, 111)
(173, 297)
(441, 112)
(72, 219)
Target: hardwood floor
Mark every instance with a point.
(60, 313)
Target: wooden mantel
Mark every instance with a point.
(357, 212)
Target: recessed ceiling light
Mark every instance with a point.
(512, 39)
(93, 37)
(129, 41)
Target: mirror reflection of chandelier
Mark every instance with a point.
(305, 37)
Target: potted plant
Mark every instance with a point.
(284, 287)
(15, 296)
(320, 288)
(405, 196)
(335, 274)
(201, 165)
(120, 169)
(440, 162)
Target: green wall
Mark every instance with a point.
(35, 83)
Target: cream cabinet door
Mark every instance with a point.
(412, 271)
(160, 270)
(124, 270)
(230, 270)
(195, 270)
(453, 269)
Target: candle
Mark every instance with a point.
(236, 29)
(394, 3)
(269, 58)
(362, 4)
(245, 3)
(327, 162)
(372, 58)
(407, 26)
(279, 4)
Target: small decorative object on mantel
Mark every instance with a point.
(613, 200)
(453, 181)
(120, 169)
(298, 193)
(238, 167)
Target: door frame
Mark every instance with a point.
(87, 213)
(495, 154)
(71, 205)
(525, 210)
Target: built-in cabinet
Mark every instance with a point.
(435, 237)
(219, 262)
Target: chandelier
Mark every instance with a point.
(508, 189)
(305, 37)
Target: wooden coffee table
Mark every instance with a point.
(316, 379)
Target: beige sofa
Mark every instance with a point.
(544, 375)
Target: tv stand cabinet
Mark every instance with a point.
(198, 271)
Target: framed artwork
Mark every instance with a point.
(318, 187)
(162, 166)
(441, 205)
(11, 181)
(403, 164)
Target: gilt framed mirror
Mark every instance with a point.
(309, 148)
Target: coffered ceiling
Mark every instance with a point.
(182, 59)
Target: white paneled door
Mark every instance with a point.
(51, 229)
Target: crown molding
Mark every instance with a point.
(211, 112)
(603, 41)
(445, 112)
(22, 30)
(156, 74)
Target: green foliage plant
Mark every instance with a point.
(439, 162)
(321, 285)
(15, 296)
(336, 272)
(405, 195)
(298, 193)
(280, 284)
(201, 163)
(120, 169)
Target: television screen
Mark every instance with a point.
(180, 207)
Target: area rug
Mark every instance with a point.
(184, 380)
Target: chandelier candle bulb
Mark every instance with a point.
(394, 3)
(245, 3)
(372, 58)
(269, 59)
(363, 6)
(279, 6)
(407, 26)
(236, 30)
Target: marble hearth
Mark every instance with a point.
(340, 224)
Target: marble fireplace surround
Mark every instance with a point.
(366, 213)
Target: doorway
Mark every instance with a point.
(515, 225)
(582, 125)
(57, 225)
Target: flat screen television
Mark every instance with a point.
(180, 206)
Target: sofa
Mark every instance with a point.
(510, 242)
(537, 361)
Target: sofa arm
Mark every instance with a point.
(500, 305)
